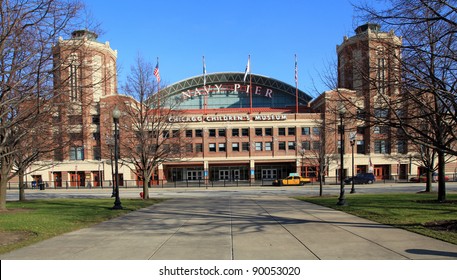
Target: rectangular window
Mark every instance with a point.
(339, 146)
(58, 155)
(268, 131)
(305, 131)
(245, 132)
(97, 153)
(165, 134)
(381, 113)
(305, 145)
(221, 147)
(96, 136)
(258, 131)
(291, 145)
(316, 130)
(212, 147)
(291, 130)
(361, 114)
(96, 119)
(282, 131)
(189, 148)
(212, 132)
(245, 146)
(199, 133)
(401, 147)
(235, 147)
(258, 146)
(76, 153)
(341, 129)
(360, 130)
(380, 130)
(316, 145)
(189, 133)
(199, 147)
(221, 132)
(175, 133)
(268, 146)
(235, 132)
(381, 147)
(360, 146)
(282, 145)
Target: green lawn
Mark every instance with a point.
(407, 211)
(36, 220)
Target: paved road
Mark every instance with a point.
(238, 227)
(224, 191)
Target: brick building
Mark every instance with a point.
(234, 135)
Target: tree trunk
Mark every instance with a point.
(441, 181)
(21, 186)
(145, 185)
(3, 183)
(428, 180)
(321, 182)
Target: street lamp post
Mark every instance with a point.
(116, 116)
(341, 198)
(352, 140)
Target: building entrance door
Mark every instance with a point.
(57, 179)
(77, 179)
(236, 174)
(269, 174)
(224, 175)
(381, 172)
(194, 175)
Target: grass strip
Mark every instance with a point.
(413, 212)
(28, 222)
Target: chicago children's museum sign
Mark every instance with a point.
(226, 118)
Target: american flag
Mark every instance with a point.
(296, 72)
(156, 71)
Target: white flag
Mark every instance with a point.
(204, 71)
(248, 69)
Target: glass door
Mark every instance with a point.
(224, 175)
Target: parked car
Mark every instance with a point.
(423, 178)
(361, 178)
(292, 181)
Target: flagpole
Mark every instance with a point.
(296, 85)
(205, 98)
(157, 75)
(250, 85)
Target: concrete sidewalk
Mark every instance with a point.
(240, 228)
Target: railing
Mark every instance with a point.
(108, 184)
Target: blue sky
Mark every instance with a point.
(226, 32)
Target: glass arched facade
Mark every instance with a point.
(229, 90)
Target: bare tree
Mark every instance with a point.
(150, 139)
(28, 30)
(427, 108)
(319, 151)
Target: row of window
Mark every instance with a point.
(380, 147)
(257, 146)
(235, 132)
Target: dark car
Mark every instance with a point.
(361, 178)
